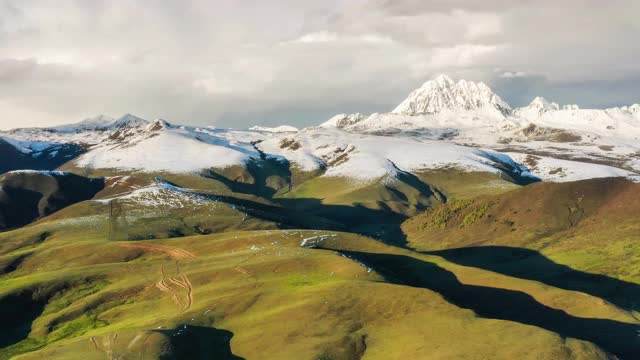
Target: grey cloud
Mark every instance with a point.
(412, 7)
(237, 63)
(586, 94)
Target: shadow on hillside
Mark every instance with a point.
(199, 342)
(18, 311)
(262, 171)
(383, 224)
(259, 189)
(612, 336)
(48, 159)
(313, 214)
(531, 265)
(509, 169)
(18, 207)
(25, 197)
(11, 264)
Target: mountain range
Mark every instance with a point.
(453, 226)
(445, 123)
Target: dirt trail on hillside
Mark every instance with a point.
(241, 269)
(107, 346)
(172, 285)
(174, 252)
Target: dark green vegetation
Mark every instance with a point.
(435, 265)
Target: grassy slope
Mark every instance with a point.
(373, 208)
(259, 295)
(377, 208)
(588, 225)
(198, 207)
(457, 185)
(451, 183)
(407, 197)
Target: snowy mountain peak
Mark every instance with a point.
(537, 107)
(343, 120)
(442, 80)
(159, 124)
(542, 103)
(442, 93)
(127, 120)
(277, 129)
(98, 120)
(540, 106)
(91, 123)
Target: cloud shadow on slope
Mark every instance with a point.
(615, 337)
(18, 312)
(13, 159)
(200, 342)
(380, 221)
(532, 265)
(310, 213)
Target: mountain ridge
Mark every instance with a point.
(443, 123)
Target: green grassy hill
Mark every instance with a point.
(186, 268)
(590, 225)
(261, 295)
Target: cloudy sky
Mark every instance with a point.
(244, 62)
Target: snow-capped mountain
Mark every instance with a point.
(103, 123)
(443, 93)
(277, 129)
(128, 120)
(467, 113)
(540, 106)
(161, 146)
(92, 123)
(87, 132)
(96, 123)
(442, 124)
(444, 103)
(49, 148)
(342, 121)
(134, 144)
(537, 107)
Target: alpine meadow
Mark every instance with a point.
(452, 221)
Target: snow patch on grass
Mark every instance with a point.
(314, 241)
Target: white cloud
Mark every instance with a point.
(514, 74)
(481, 25)
(327, 37)
(463, 55)
(23, 115)
(296, 61)
(320, 36)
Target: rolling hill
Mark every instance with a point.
(452, 227)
